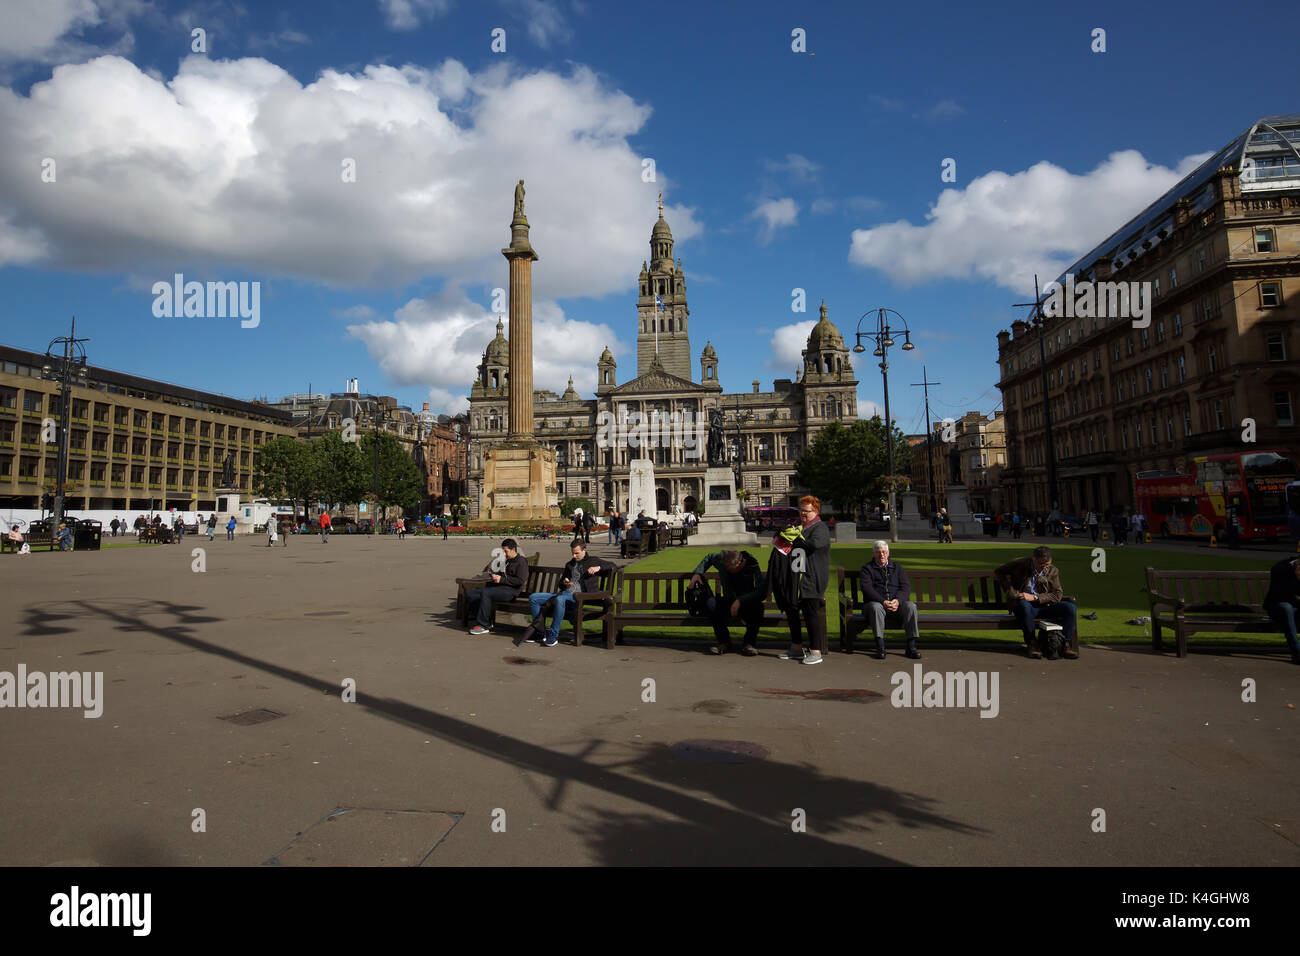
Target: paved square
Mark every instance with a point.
(565, 761)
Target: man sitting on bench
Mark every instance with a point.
(1034, 591)
(504, 585)
(744, 588)
(885, 591)
(580, 574)
(1283, 601)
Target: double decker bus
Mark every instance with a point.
(1252, 486)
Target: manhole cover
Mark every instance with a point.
(523, 660)
(719, 751)
(719, 708)
(857, 695)
(323, 613)
(259, 716)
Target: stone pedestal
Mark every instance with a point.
(641, 488)
(959, 514)
(519, 483)
(910, 523)
(722, 523)
(845, 531)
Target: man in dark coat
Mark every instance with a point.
(581, 574)
(505, 585)
(885, 591)
(744, 588)
(810, 563)
(1033, 588)
(1283, 601)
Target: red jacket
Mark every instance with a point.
(324, 520)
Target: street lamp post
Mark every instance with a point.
(883, 336)
(65, 367)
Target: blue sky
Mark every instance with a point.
(817, 170)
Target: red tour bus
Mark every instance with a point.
(1250, 484)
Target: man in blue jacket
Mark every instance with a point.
(743, 589)
(885, 593)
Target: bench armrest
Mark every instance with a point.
(593, 596)
(1157, 600)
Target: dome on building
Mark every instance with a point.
(606, 357)
(498, 350)
(709, 351)
(661, 230)
(824, 334)
(570, 395)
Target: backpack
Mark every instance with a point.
(697, 599)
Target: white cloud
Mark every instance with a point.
(545, 22)
(774, 214)
(788, 343)
(822, 206)
(885, 102)
(863, 203)
(1005, 227)
(45, 31)
(944, 110)
(408, 14)
(355, 312)
(438, 342)
(235, 165)
(800, 168)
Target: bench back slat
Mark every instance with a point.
(1209, 588)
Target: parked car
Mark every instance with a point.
(1073, 522)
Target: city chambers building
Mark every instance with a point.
(1221, 251)
(765, 431)
(134, 444)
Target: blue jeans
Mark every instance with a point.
(562, 602)
(1062, 612)
(1284, 616)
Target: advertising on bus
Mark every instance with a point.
(1243, 492)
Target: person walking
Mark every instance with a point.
(272, 528)
(609, 521)
(445, 521)
(1136, 523)
(588, 522)
(1282, 602)
(1094, 526)
(325, 526)
(212, 525)
(1017, 525)
(178, 526)
(112, 527)
(401, 529)
(230, 529)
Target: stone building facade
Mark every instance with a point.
(1221, 251)
(765, 431)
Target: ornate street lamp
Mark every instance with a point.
(66, 366)
(883, 337)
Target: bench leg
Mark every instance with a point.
(1157, 644)
(1182, 641)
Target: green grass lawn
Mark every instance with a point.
(1116, 595)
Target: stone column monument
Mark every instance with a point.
(518, 473)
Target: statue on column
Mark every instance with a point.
(519, 200)
(954, 465)
(228, 470)
(717, 456)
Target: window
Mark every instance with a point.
(1218, 413)
(1200, 259)
(1133, 384)
(1270, 295)
(1160, 331)
(1148, 377)
(1137, 433)
(1119, 390)
(1213, 359)
(1169, 428)
(1187, 422)
(1178, 324)
(1276, 346)
(1164, 374)
(1282, 405)
(1130, 345)
(1264, 240)
(1182, 369)
(1155, 287)
(1096, 360)
(1123, 437)
(1152, 423)
(1116, 351)
(1205, 309)
(765, 482)
(1101, 395)
(1146, 339)
(1173, 277)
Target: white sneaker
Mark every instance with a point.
(813, 657)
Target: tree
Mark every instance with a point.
(285, 471)
(339, 469)
(569, 505)
(400, 481)
(847, 466)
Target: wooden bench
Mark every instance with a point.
(1191, 601)
(956, 600)
(34, 539)
(588, 606)
(658, 599)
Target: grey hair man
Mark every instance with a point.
(885, 592)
